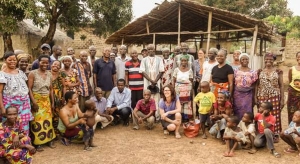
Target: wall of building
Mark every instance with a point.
(291, 48)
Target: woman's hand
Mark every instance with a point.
(35, 107)
(31, 149)
(82, 121)
(16, 142)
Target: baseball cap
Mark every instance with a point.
(45, 45)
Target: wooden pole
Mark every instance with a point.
(245, 46)
(179, 23)
(261, 46)
(208, 30)
(122, 41)
(153, 39)
(147, 27)
(254, 40)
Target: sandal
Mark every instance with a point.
(252, 151)
(166, 132)
(87, 148)
(275, 154)
(290, 150)
(177, 135)
(64, 141)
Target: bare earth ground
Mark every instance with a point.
(123, 145)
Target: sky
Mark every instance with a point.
(142, 7)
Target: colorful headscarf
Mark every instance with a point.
(22, 56)
(65, 57)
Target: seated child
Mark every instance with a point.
(248, 128)
(222, 110)
(233, 135)
(15, 145)
(291, 136)
(205, 100)
(265, 126)
(88, 130)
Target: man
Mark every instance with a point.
(71, 52)
(144, 52)
(167, 77)
(119, 103)
(46, 49)
(144, 111)
(92, 58)
(113, 57)
(120, 62)
(184, 52)
(114, 50)
(209, 65)
(84, 73)
(176, 52)
(100, 102)
(152, 68)
(104, 73)
(134, 78)
(236, 60)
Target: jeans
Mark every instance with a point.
(123, 113)
(264, 139)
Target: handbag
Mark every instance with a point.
(191, 129)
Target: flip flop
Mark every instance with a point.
(290, 150)
(252, 151)
(276, 154)
(64, 142)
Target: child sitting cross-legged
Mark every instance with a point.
(291, 136)
(248, 128)
(233, 136)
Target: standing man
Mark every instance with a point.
(119, 103)
(114, 50)
(176, 52)
(144, 52)
(184, 53)
(84, 73)
(120, 62)
(71, 52)
(152, 68)
(113, 56)
(104, 73)
(91, 60)
(45, 49)
(134, 78)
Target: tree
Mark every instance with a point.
(259, 9)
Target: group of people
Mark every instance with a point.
(61, 97)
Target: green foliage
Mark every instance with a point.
(286, 26)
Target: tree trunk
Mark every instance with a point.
(7, 42)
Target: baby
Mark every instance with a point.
(88, 131)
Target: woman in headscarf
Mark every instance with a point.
(71, 78)
(244, 87)
(14, 90)
(23, 60)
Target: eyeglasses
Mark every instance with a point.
(166, 90)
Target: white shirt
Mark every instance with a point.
(207, 68)
(120, 66)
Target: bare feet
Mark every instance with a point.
(204, 136)
(177, 135)
(166, 132)
(252, 151)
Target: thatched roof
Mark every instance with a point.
(163, 19)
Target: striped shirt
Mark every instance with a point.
(135, 79)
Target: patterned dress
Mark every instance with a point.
(243, 92)
(269, 91)
(167, 76)
(15, 93)
(41, 126)
(293, 101)
(19, 155)
(72, 78)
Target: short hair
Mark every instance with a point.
(234, 119)
(9, 107)
(54, 48)
(223, 51)
(92, 47)
(251, 115)
(7, 54)
(297, 53)
(165, 49)
(83, 51)
(43, 56)
(123, 46)
(69, 95)
(146, 90)
(98, 88)
(297, 80)
(121, 80)
(213, 50)
(269, 105)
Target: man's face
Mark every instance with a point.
(70, 51)
(123, 50)
(83, 57)
(106, 53)
(120, 86)
(92, 51)
(114, 50)
(45, 51)
(58, 51)
(98, 94)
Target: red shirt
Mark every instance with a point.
(135, 78)
(269, 119)
(146, 108)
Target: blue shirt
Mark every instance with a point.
(104, 74)
(36, 64)
(121, 100)
(100, 105)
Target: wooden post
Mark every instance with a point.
(153, 39)
(179, 23)
(208, 30)
(122, 41)
(254, 40)
(147, 27)
(261, 46)
(245, 46)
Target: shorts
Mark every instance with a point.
(165, 124)
(203, 117)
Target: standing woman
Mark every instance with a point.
(58, 91)
(14, 90)
(41, 95)
(198, 65)
(183, 82)
(269, 88)
(222, 75)
(71, 79)
(244, 87)
(23, 60)
(293, 101)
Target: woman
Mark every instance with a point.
(293, 101)
(15, 145)
(58, 91)
(72, 77)
(170, 107)
(198, 65)
(23, 60)
(244, 87)
(183, 82)
(70, 119)
(269, 88)
(14, 90)
(41, 95)
(222, 75)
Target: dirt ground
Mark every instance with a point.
(118, 144)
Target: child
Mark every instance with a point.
(205, 100)
(15, 145)
(88, 131)
(248, 128)
(222, 110)
(265, 125)
(291, 136)
(232, 135)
